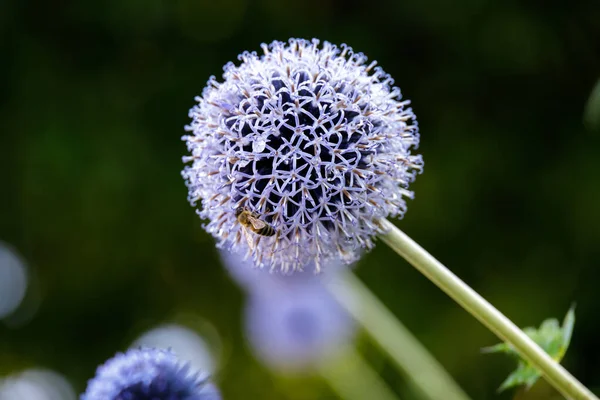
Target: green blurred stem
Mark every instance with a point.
(353, 379)
(489, 316)
(423, 371)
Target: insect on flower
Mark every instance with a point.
(251, 223)
(307, 139)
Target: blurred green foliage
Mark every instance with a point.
(93, 99)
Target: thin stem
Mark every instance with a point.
(489, 316)
(423, 371)
(353, 379)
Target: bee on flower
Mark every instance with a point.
(252, 223)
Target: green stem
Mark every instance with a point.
(353, 379)
(489, 316)
(423, 371)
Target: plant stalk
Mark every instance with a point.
(353, 379)
(487, 314)
(422, 370)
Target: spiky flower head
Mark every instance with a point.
(312, 141)
(148, 374)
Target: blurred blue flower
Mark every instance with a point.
(36, 384)
(200, 346)
(296, 329)
(13, 280)
(311, 141)
(148, 374)
(271, 278)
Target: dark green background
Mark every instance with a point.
(93, 99)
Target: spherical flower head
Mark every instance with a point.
(308, 140)
(148, 374)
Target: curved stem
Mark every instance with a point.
(353, 379)
(423, 371)
(489, 316)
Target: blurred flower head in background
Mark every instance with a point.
(272, 279)
(297, 330)
(188, 344)
(292, 321)
(142, 374)
(312, 142)
(13, 280)
(36, 384)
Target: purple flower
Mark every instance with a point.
(271, 278)
(148, 374)
(13, 280)
(295, 329)
(311, 141)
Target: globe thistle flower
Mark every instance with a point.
(148, 374)
(310, 141)
(296, 329)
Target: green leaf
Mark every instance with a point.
(550, 336)
(524, 375)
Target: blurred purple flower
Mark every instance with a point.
(295, 329)
(190, 344)
(253, 278)
(36, 384)
(13, 280)
(148, 374)
(311, 140)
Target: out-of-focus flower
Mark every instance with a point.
(185, 342)
(13, 280)
(148, 374)
(295, 330)
(308, 140)
(272, 279)
(292, 321)
(36, 384)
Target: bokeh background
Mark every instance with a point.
(93, 99)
